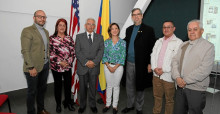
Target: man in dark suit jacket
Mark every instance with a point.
(89, 51)
(139, 39)
(34, 44)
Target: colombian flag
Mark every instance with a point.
(102, 28)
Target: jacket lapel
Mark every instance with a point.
(139, 32)
(94, 38)
(85, 38)
(38, 33)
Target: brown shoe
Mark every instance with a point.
(43, 112)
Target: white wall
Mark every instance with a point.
(17, 14)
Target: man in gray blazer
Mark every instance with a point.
(34, 47)
(89, 51)
(190, 69)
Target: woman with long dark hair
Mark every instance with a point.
(62, 55)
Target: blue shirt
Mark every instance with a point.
(114, 53)
(131, 56)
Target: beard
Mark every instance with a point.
(41, 23)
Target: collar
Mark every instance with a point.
(87, 33)
(137, 26)
(194, 41)
(38, 26)
(170, 38)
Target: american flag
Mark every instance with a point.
(74, 17)
(74, 22)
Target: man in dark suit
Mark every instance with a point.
(34, 44)
(139, 39)
(89, 51)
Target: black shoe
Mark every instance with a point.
(115, 111)
(58, 109)
(139, 112)
(81, 110)
(126, 110)
(100, 101)
(105, 109)
(94, 109)
(69, 106)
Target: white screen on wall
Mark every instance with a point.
(210, 17)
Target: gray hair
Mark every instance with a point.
(135, 10)
(196, 20)
(90, 18)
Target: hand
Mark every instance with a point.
(180, 82)
(64, 64)
(160, 71)
(156, 71)
(90, 64)
(111, 69)
(149, 68)
(33, 72)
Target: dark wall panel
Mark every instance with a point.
(179, 11)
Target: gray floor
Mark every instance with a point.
(18, 102)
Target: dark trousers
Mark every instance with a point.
(37, 87)
(84, 80)
(189, 101)
(67, 76)
(133, 97)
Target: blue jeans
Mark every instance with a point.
(37, 87)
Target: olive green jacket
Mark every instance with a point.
(32, 48)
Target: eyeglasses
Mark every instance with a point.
(139, 14)
(167, 27)
(89, 24)
(41, 17)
